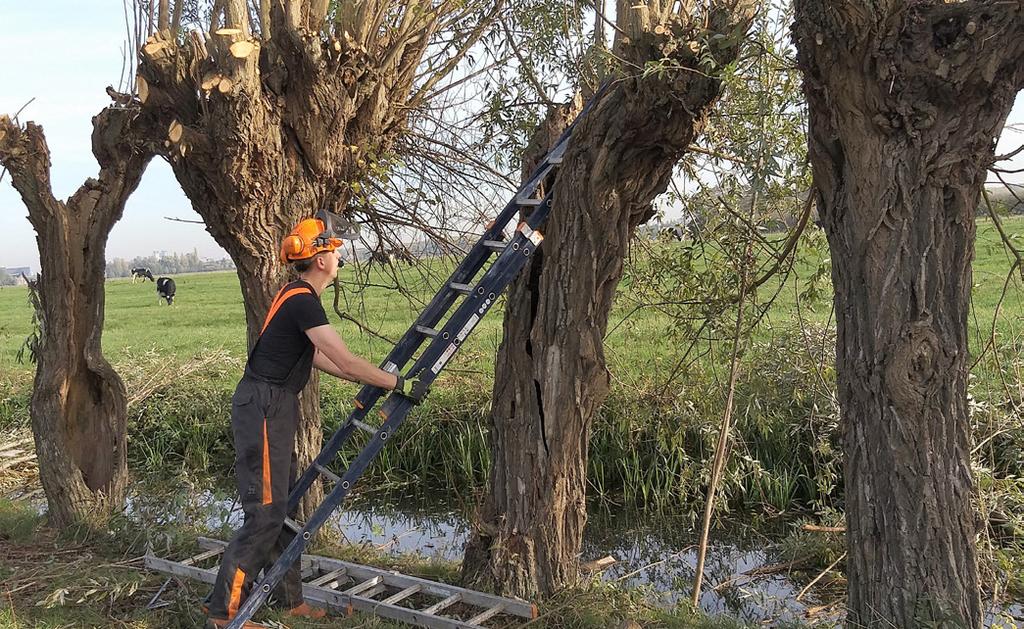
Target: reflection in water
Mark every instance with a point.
(659, 555)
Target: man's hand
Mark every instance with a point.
(415, 390)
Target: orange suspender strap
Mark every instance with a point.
(273, 306)
(280, 299)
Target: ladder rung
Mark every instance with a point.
(333, 575)
(465, 289)
(486, 615)
(365, 585)
(422, 329)
(327, 473)
(524, 202)
(404, 594)
(374, 591)
(293, 525)
(203, 555)
(364, 426)
(448, 602)
(495, 245)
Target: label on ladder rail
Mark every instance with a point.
(533, 235)
(466, 329)
(444, 358)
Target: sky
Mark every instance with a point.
(64, 57)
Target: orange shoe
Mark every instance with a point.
(220, 623)
(306, 610)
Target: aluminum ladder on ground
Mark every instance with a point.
(343, 586)
(477, 297)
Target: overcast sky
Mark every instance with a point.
(64, 55)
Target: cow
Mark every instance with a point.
(381, 257)
(402, 254)
(673, 232)
(141, 273)
(398, 254)
(165, 289)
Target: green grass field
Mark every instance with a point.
(208, 314)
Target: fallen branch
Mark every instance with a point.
(599, 565)
(814, 528)
(820, 575)
(760, 571)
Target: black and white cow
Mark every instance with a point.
(141, 273)
(165, 289)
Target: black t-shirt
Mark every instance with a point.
(284, 354)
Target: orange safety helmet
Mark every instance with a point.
(312, 236)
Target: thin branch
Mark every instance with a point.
(1010, 155)
(351, 319)
(474, 37)
(525, 67)
(1018, 264)
(176, 17)
(725, 430)
(21, 109)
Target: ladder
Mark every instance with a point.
(443, 342)
(343, 586)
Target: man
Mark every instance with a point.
(264, 414)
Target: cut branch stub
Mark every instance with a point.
(152, 48)
(142, 87)
(210, 81)
(225, 85)
(182, 139)
(174, 132)
(157, 49)
(242, 49)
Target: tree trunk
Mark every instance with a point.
(280, 128)
(79, 404)
(551, 376)
(906, 99)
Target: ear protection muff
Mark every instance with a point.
(292, 245)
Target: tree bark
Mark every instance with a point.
(906, 99)
(79, 404)
(294, 127)
(551, 376)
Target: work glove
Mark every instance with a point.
(415, 390)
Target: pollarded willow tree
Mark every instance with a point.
(551, 377)
(79, 406)
(272, 114)
(906, 99)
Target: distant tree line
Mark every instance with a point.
(167, 264)
(6, 279)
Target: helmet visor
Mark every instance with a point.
(337, 226)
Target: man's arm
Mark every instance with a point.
(339, 361)
(323, 363)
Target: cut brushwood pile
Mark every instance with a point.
(19, 474)
(145, 375)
